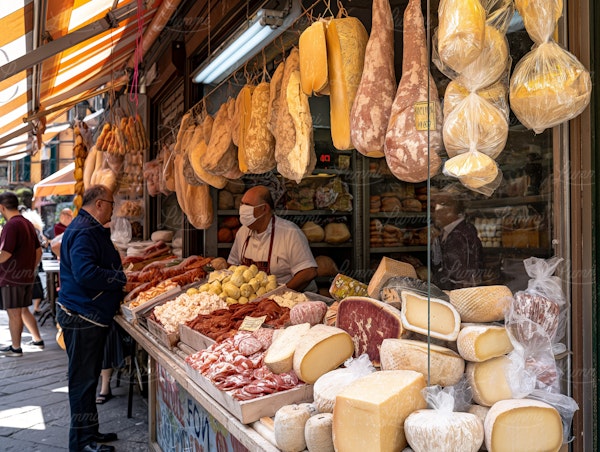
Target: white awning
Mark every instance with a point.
(60, 183)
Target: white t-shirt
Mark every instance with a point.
(290, 253)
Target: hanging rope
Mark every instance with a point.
(138, 55)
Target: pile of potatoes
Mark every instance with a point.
(238, 284)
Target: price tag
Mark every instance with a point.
(252, 323)
(425, 116)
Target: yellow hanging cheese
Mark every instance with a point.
(346, 44)
(313, 58)
(244, 112)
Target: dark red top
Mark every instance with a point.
(59, 228)
(20, 240)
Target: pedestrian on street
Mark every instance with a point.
(20, 255)
(91, 289)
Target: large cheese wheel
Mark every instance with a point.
(481, 304)
(346, 44)
(523, 425)
(279, 357)
(432, 316)
(312, 46)
(369, 322)
(482, 342)
(439, 431)
(446, 366)
(489, 380)
(461, 32)
(321, 349)
(369, 413)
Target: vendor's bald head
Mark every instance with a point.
(258, 194)
(66, 216)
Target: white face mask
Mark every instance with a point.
(247, 214)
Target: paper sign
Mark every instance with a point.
(252, 323)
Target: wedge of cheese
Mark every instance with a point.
(481, 304)
(388, 268)
(489, 380)
(279, 357)
(434, 316)
(321, 349)
(523, 425)
(482, 342)
(446, 366)
(369, 414)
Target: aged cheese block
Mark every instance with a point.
(313, 232)
(489, 380)
(346, 43)
(392, 290)
(372, 105)
(285, 130)
(369, 322)
(221, 155)
(434, 316)
(207, 126)
(447, 367)
(387, 269)
(482, 342)
(321, 349)
(279, 357)
(548, 87)
(331, 383)
(195, 158)
(369, 413)
(440, 431)
(259, 142)
(337, 233)
(318, 433)
(274, 93)
(414, 134)
(186, 121)
(243, 113)
(481, 304)
(461, 32)
(523, 425)
(312, 47)
(288, 426)
(199, 206)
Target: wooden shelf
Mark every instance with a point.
(330, 245)
(506, 202)
(398, 249)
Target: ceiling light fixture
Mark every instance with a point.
(256, 34)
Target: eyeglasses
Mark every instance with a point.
(112, 203)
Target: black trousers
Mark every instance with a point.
(85, 348)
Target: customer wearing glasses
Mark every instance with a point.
(91, 289)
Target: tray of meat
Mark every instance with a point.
(233, 374)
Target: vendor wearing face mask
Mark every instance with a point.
(274, 245)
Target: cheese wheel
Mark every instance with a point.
(489, 380)
(432, 316)
(481, 304)
(289, 424)
(474, 169)
(482, 342)
(439, 431)
(523, 425)
(321, 349)
(369, 413)
(479, 411)
(318, 433)
(279, 357)
(447, 367)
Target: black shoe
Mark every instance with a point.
(93, 447)
(104, 437)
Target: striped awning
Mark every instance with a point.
(56, 53)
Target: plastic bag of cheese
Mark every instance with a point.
(329, 384)
(565, 405)
(440, 427)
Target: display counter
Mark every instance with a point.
(182, 416)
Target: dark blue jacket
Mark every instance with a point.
(91, 274)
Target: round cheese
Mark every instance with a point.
(289, 425)
(482, 342)
(489, 380)
(318, 433)
(481, 304)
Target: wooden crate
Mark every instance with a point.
(194, 339)
(165, 338)
(132, 314)
(248, 411)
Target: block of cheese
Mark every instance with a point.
(489, 380)
(482, 342)
(481, 304)
(391, 290)
(312, 49)
(446, 366)
(387, 269)
(443, 321)
(321, 349)
(441, 431)
(369, 413)
(523, 425)
(279, 357)
(369, 322)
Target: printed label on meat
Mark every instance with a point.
(425, 116)
(252, 323)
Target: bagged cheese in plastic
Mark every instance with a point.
(499, 13)
(549, 84)
(475, 170)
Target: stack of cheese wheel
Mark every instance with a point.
(549, 85)
(473, 51)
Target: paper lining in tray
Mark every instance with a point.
(248, 411)
(131, 314)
